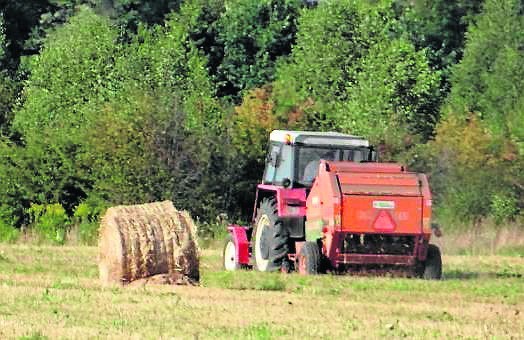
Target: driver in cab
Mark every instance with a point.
(311, 169)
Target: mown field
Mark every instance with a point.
(53, 292)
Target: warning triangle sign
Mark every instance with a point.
(384, 221)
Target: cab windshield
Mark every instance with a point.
(308, 159)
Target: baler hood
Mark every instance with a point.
(372, 198)
(376, 179)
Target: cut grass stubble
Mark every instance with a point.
(55, 292)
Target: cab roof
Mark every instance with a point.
(317, 138)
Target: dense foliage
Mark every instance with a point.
(115, 102)
(484, 119)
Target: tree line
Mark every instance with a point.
(119, 102)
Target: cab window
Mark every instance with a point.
(279, 163)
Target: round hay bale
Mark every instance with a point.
(139, 241)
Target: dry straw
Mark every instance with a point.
(139, 241)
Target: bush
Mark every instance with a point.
(474, 174)
(466, 199)
(87, 217)
(8, 233)
(50, 222)
(504, 207)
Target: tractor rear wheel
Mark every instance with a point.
(309, 259)
(433, 264)
(270, 240)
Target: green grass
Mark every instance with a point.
(53, 292)
(511, 251)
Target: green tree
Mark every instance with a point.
(489, 78)
(488, 81)
(487, 88)
(254, 34)
(21, 17)
(29, 21)
(73, 74)
(440, 27)
(74, 69)
(3, 42)
(243, 39)
(122, 122)
(359, 74)
(395, 90)
(8, 87)
(131, 13)
(204, 31)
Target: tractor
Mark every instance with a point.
(325, 204)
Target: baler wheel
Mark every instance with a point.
(309, 259)
(229, 255)
(270, 238)
(433, 264)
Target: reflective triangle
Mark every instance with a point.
(384, 221)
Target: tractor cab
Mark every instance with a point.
(293, 157)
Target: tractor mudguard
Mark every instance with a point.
(290, 202)
(239, 235)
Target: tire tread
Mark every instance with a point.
(279, 247)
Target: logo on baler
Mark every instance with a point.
(384, 204)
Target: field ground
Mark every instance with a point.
(54, 292)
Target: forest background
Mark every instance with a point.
(106, 102)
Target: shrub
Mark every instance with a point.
(50, 222)
(466, 199)
(7, 231)
(504, 207)
(87, 217)
(468, 171)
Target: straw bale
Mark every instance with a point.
(140, 241)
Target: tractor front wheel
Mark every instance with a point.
(309, 259)
(230, 255)
(270, 240)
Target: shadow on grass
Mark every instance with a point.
(471, 275)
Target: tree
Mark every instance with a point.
(440, 27)
(3, 42)
(489, 79)
(21, 17)
(362, 77)
(8, 87)
(8, 93)
(124, 122)
(74, 74)
(487, 91)
(395, 95)
(254, 35)
(74, 69)
(27, 22)
(130, 13)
